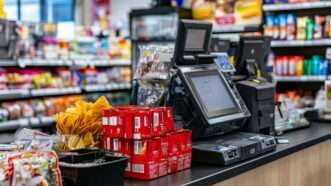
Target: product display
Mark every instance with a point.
(147, 136)
(300, 66)
(181, 92)
(30, 168)
(293, 27)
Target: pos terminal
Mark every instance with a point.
(208, 103)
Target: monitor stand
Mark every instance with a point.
(232, 148)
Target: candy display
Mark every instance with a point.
(147, 136)
(299, 66)
(153, 74)
(293, 27)
(81, 124)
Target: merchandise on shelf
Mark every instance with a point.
(115, 75)
(300, 66)
(299, 99)
(37, 78)
(293, 27)
(147, 136)
(87, 44)
(289, 1)
(14, 110)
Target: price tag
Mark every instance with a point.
(328, 53)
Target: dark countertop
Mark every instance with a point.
(201, 174)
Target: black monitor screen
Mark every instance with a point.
(195, 39)
(213, 94)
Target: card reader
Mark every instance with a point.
(232, 148)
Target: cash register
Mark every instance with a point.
(208, 103)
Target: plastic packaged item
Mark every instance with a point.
(285, 66)
(299, 70)
(310, 28)
(301, 28)
(279, 66)
(316, 64)
(14, 110)
(307, 67)
(319, 25)
(270, 26)
(3, 115)
(291, 27)
(282, 26)
(291, 65)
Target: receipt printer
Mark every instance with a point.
(258, 96)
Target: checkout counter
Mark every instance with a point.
(301, 158)
(304, 161)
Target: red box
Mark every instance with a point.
(116, 124)
(105, 122)
(163, 167)
(127, 148)
(172, 164)
(169, 119)
(144, 170)
(164, 147)
(146, 150)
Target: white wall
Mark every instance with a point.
(121, 8)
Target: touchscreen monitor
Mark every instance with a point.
(213, 94)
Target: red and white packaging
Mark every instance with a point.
(188, 150)
(116, 124)
(107, 143)
(146, 150)
(117, 146)
(157, 115)
(163, 167)
(144, 170)
(173, 153)
(142, 125)
(105, 122)
(170, 123)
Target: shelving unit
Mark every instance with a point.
(34, 122)
(306, 48)
(296, 6)
(295, 43)
(64, 63)
(236, 28)
(300, 78)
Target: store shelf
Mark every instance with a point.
(102, 63)
(43, 62)
(108, 87)
(297, 6)
(235, 28)
(34, 122)
(300, 79)
(310, 43)
(7, 63)
(55, 91)
(13, 94)
(13, 124)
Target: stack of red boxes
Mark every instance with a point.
(148, 137)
